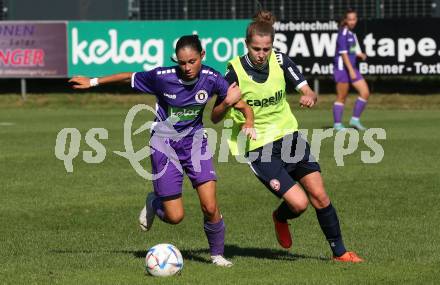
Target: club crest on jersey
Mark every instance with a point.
(275, 184)
(201, 96)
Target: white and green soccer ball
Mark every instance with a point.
(163, 260)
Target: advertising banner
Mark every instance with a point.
(33, 49)
(100, 48)
(392, 46)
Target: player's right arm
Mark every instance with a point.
(82, 82)
(144, 81)
(248, 113)
(342, 48)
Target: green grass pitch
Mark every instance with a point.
(81, 227)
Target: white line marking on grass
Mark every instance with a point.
(6, 124)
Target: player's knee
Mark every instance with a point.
(322, 200)
(302, 206)
(175, 218)
(365, 95)
(341, 100)
(209, 210)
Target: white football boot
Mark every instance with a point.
(219, 260)
(146, 217)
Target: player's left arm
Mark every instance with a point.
(308, 98)
(293, 76)
(220, 109)
(359, 52)
(230, 97)
(228, 93)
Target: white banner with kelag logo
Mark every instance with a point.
(101, 48)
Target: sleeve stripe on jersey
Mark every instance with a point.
(293, 73)
(343, 51)
(205, 71)
(166, 71)
(301, 84)
(279, 58)
(132, 79)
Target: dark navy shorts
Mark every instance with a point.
(280, 167)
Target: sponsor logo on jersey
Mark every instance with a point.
(266, 102)
(201, 96)
(171, 96)
(185, 113)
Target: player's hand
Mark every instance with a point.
(353, 75)
(80, 82)
(249, 130)
(362, 56)
(308, 100)
(233, 95)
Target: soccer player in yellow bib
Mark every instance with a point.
(279, 157)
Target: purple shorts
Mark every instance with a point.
(181, 157)
(342, 76)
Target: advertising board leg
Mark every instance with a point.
(23, 88)
(316, 85)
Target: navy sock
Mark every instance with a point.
(284, 213)
(328, 220)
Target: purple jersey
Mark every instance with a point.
(346, 43)
(175, 97)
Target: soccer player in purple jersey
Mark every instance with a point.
(346, 72)
(182, 92)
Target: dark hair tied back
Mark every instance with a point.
(191, 41)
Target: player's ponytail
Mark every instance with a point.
(262, 25)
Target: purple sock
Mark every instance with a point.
(215, 232)
(359, 106)
(158, 208)
(338, 109)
